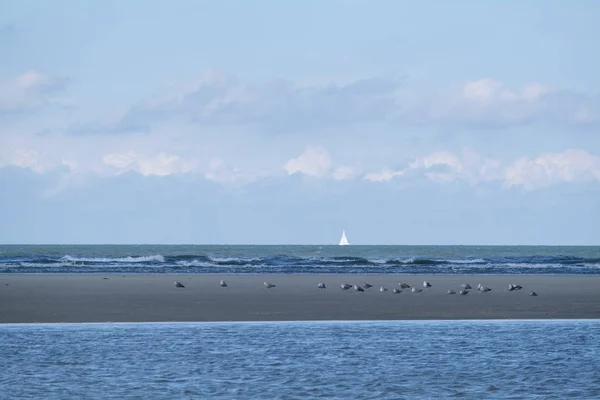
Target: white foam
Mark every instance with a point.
(194, 263)
(157, 258)
(472, 261)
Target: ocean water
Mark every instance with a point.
(301, 259)
(370, 360)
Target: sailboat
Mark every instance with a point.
(344, 240)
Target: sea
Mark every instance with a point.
(302, 360)
(504, 359)
(198, 259)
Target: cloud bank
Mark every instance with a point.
(29, 91)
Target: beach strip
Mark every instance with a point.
(30, 298)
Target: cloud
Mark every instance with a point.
(345, 172)
(161, 164)
(489, 103)
(220, 172)
(569, 166)
(443, 167)
(315, 161)
(550, 169)
(26, 158)
(385, 175)
(29, 91)
(219, 98)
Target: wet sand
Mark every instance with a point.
(26, 298)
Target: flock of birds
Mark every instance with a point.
(465, 287)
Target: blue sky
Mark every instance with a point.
(430, 122)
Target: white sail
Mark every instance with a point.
(344, 240)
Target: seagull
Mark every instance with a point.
(426, 284)
(223, 283)
(321, 285)
(463, 292)
(532, 293)
(269, 285)
(513, 286)
(403, 285)
(366, 285)
(450, 291)
(345, 286)
(415, 290)
(397, 290)
(358, 288)
(178, 284)
(465, 286)
(382, 289)
(482, 288)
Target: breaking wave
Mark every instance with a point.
(290, 263)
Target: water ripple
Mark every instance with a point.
(467, 360)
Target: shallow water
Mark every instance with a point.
(370, 360)
(301, 259)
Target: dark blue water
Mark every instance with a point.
(301, 259)
(375, 360)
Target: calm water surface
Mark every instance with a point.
(371, 360)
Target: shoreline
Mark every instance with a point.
(321, 322)
(152, 298)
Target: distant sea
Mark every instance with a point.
(300, 259)
(371, 360)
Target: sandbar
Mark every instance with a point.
(44, 298)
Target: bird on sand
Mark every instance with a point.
(358, 288)
(269, 285)
(465, 286)
(532, 293)
(415, 290)
(345, 286)
(321, 285)
(482, 288)
(366, 285)
(397, 290)
(426, 284)
(178, 284)
(382, 289)
(223, 283)
(463, 292)
(403, 285)
(450, 291)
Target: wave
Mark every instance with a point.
(140, 259)
(285, 263)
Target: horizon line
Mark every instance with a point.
(297, 244)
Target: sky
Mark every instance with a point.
(272, 122)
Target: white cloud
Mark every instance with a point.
(385, 175)
(482, 90)
(218, 98)
(569, 166)
(444, 167)
(220, 172)
(161, 164)
(345, 172)
(549, 169)
(27, 158)
(489, 91)
(28, 91)
(440, 167)
(491, 103)
(315, 161)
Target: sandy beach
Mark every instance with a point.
(27, 298)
